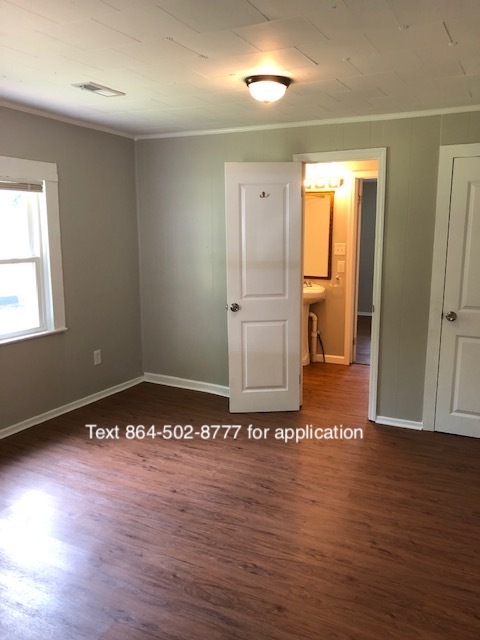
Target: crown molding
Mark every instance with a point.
(315, 123)
(263, 127)
(61, 118)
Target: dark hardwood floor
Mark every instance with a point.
(242, 539)
(364, 339)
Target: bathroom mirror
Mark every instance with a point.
(317, 234)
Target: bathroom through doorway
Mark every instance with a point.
(347, 323)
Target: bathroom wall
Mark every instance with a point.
(331, 311)
(182, 233)
(100, 265)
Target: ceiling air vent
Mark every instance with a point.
(93, 87)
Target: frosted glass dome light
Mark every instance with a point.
(267, 88)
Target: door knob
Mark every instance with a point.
(451, 316)
(234, 307)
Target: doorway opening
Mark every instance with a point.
(348, 318)
(366, 202)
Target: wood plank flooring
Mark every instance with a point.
(242, 539)
(364, 339)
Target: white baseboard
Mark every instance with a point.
(395, 422)
(364, 313)
(330, 359)
(172, 381)
(76, 404)
(183, 383)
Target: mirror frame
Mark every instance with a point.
(320, 193)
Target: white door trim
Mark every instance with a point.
(354, 241)
(442, 215)
(379, 154)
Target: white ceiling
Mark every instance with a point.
(181, 63)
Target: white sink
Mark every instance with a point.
(311, 293)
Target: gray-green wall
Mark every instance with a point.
(180, 184)
(100, 263)
(182, 239)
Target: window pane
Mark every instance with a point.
(19, 224)
(18, 298)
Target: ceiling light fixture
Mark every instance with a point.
(93, 87)
(267, 88)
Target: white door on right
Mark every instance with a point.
(458, 392)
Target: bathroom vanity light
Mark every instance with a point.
(332, 182)
(267, 88)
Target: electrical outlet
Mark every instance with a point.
(339, 249)
(97, 357)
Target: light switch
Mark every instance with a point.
(341, 266)
(339, 249)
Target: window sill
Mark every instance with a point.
(31, 336)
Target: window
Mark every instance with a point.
(31, 281)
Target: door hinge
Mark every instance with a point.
(373, 308)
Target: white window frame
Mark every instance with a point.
(51, 294)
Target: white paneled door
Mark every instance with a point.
(264, 284)
(458, 393)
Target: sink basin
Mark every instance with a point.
(313, 293)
